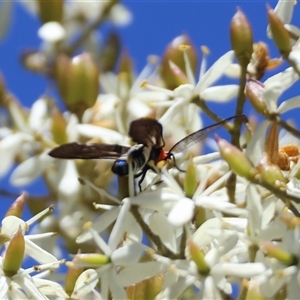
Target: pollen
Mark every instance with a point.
(205, 50)
(87, 225)
(153, 59)
(144, 84)
(184, 47)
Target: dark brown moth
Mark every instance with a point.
(148, 135)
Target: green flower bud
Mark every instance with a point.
(197, 256)
(190, 180)
(281, 255)
(91, 259)
(272, 174)
(236, 159)
(50, 10)
(78, 81)
(110, 52)
(72, 275)
(59, 128)
(279, 33)
(14, 254)
(173, 66)
(241, 38)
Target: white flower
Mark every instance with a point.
(127, 256)
(23, 285)
(11, 225)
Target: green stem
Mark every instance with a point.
(236, 131)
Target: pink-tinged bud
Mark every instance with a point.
(279, 33)
(16, 209)
(172, 76)
(190, 180)
(50, 10)
(72, 275)
(236, 159)
(197, 256)
(93, 259)
(78, 81)
(146, 289)
(110, 53)
(281, 255)
(59, 128)
(35, 61)
(241, 38)
(14, 254)
(254, 92)
(179, 76)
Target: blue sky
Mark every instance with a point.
(154, 25)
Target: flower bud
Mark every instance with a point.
(72, 274)
(50, 10)
(14, 254)
(146, 289)
(254, 92)
(78, 81)
(200, 216)
(34, 61)
(236, 159)
(253, 291)
(241, 38)
(173, 56)
(197, 256)
(279, 34)
(16, 209)
(91, 259)
(110, 52)
(272, 174)
(271, 144)
(2, 90)
(125, 73)
(59, 128)
(281, 255)
(190, 180)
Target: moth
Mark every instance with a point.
(147, 133)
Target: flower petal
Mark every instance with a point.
(289, 104)
(134, 273)
(119, 228)
(220, 93)
(215, 71)
(182, 212)
(127, 254)
(83, 284)
(159, 225)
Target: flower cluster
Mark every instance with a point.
(174, 225)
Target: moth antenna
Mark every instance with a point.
(171, 155)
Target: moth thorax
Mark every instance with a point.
(138, 156)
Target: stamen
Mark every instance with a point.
(188, 68)
(205, 52)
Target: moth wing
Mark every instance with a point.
(88, 151)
